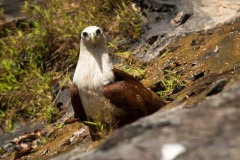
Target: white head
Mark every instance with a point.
(94, 68)
(93, 36)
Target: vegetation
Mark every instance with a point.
(170, 83)
(100, 128)
(34, 53)
(1, 10)
(137, 72)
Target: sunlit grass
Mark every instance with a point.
(33, 53)
(170, 83)
(99, 127)
(137, 72)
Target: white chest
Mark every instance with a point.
(93, 70)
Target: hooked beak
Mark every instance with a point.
(93, 38)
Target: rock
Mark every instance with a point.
(12, 8)
(158, 5)
(7, 140)
(178, 17)
(12, 12)
(23, 149)
(198, 75)
(206, 56)
(209, 130)
(217, 87)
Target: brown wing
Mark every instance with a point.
(121, 75)
(76, 103)
(131, 96)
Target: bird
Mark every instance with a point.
(105, 94)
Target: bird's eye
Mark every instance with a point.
(98, 31)
(85, 34)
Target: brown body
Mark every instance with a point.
(127, 94)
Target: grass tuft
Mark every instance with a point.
(170, 83)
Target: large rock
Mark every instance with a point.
(208, 130)
(165, 19)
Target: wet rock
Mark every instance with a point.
(188, 133)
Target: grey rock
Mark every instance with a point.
(13, 7)
(199, 15)
(180, 19)
(208, 130)
(64, 102)
(217, 87)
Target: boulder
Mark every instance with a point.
(207, 130)
(169, 18)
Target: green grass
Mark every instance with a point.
(35, 52)
(137, 72)
(100, 128)
(170, 83)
